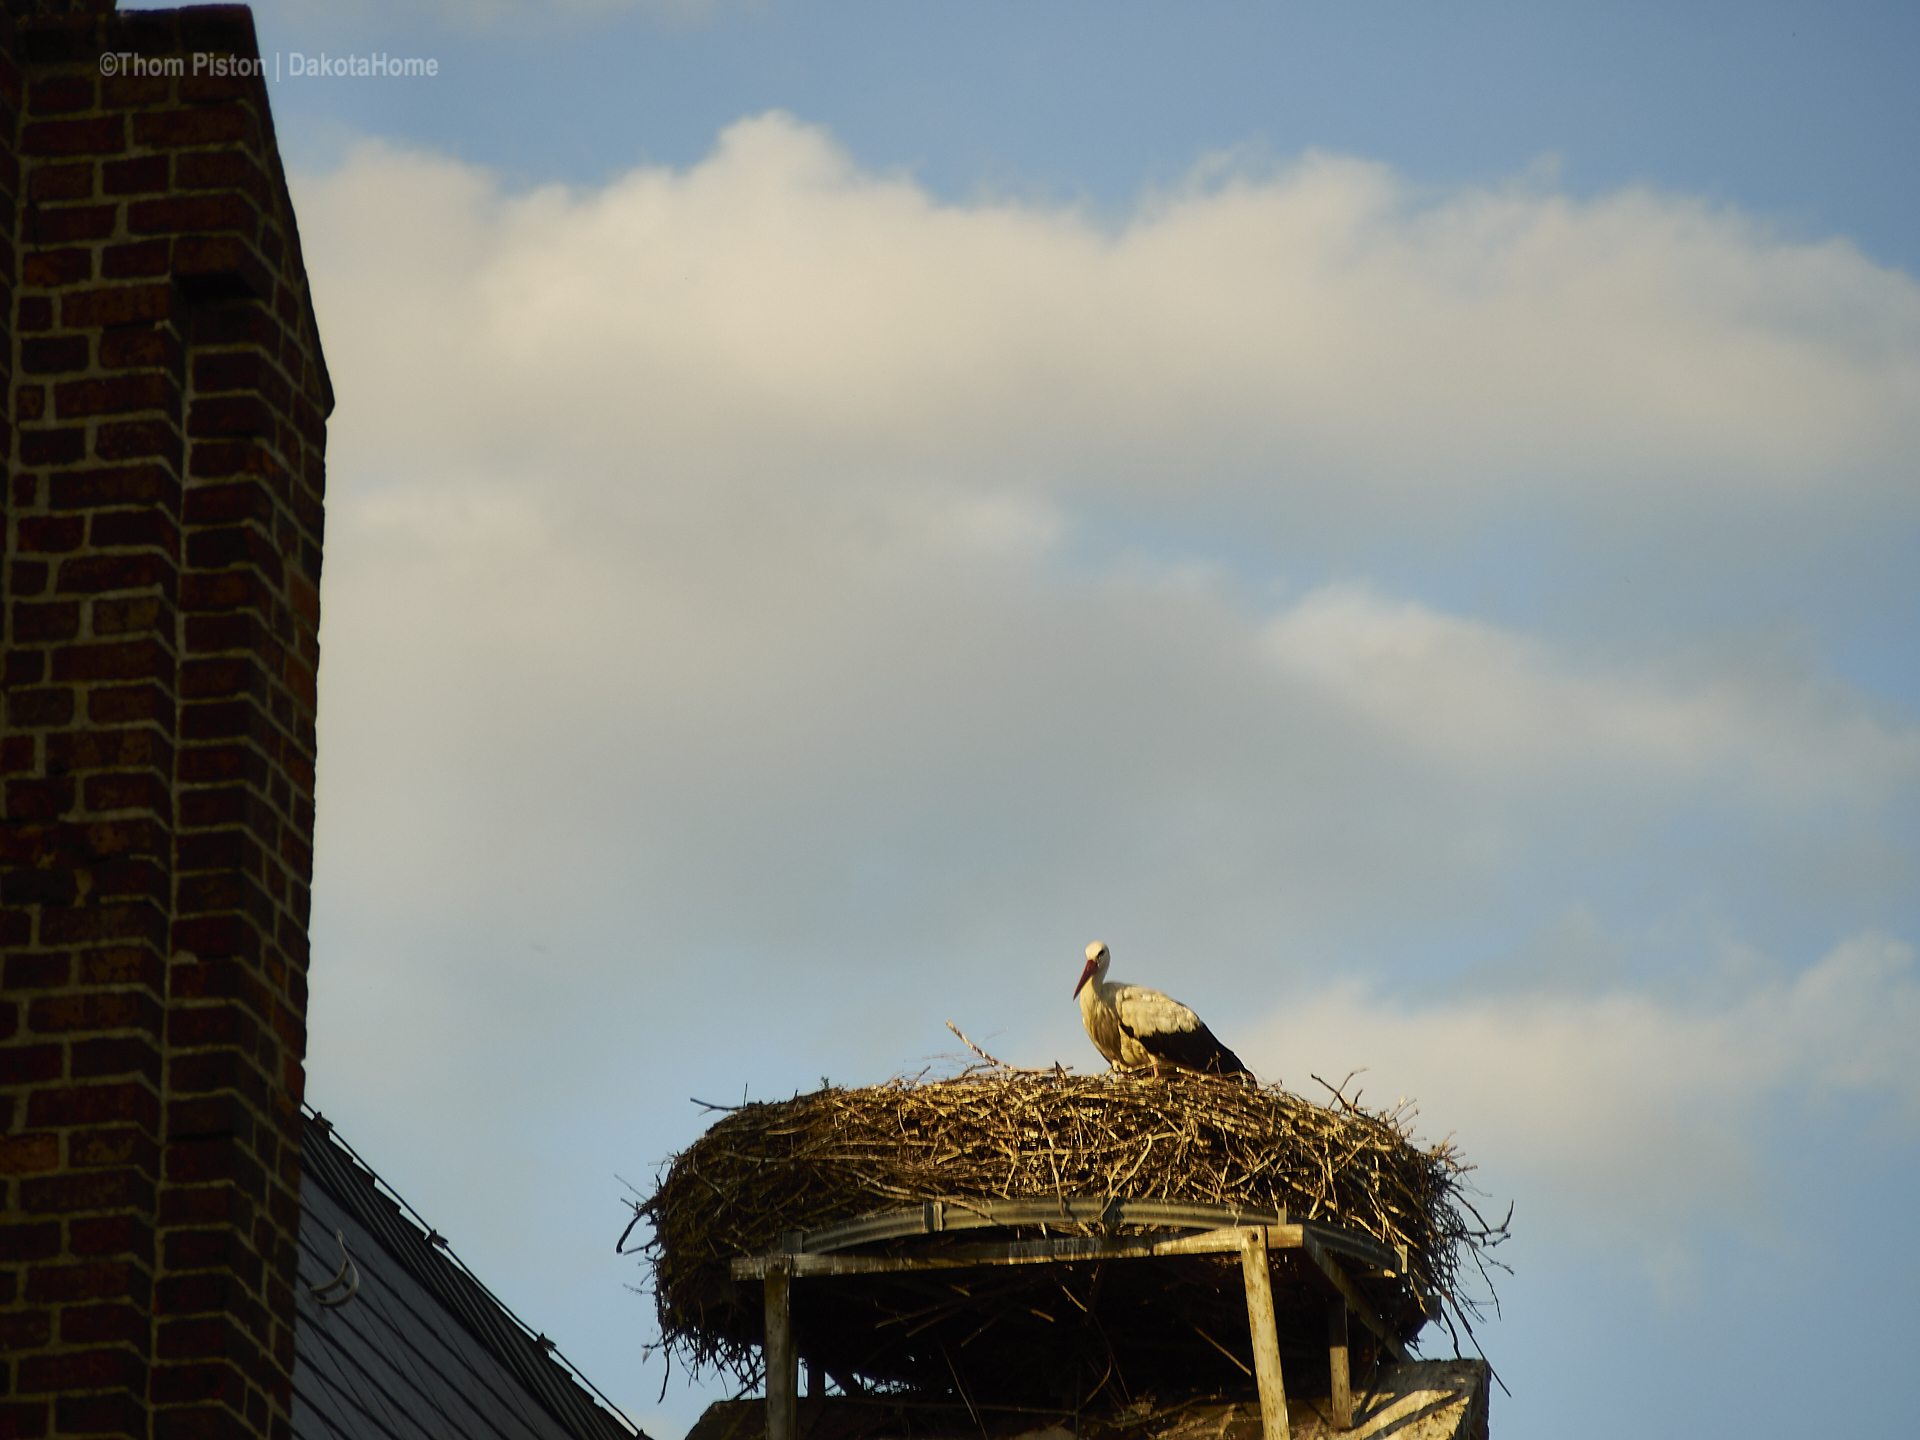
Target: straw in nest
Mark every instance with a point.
(997, 1132)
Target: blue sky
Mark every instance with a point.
(1796, 112)
(1406, 513)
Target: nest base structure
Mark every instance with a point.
(1301, 1284)
(1425, 1400)
(1055, 1243)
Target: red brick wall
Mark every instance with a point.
(161, 596)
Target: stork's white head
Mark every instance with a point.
(1096, 971)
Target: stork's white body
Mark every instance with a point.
(1134, 1026)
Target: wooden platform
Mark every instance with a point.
(1326, 1276)
(1421, 1400)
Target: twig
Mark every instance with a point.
(620, 1244)
(1339, 1091)
(1221, 1348)
(975, 1048)
(955, 1373)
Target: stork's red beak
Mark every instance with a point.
(1085, 975)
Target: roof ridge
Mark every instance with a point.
(535, 1360)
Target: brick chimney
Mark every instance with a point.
(165, 434)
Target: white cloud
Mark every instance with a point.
(1310, 341)
(728, 532)
(1488, 701)
(731, 664)
(1625, 1118)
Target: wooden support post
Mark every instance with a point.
(782, 1360)
(1266, 1335)
(1342, 1402)
(1356, 1302)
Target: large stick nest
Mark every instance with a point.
(995, 1132)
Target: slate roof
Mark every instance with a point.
(422, 1351)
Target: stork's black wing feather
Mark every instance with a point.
(1194, 1049)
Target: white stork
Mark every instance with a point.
(1132, 1025)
